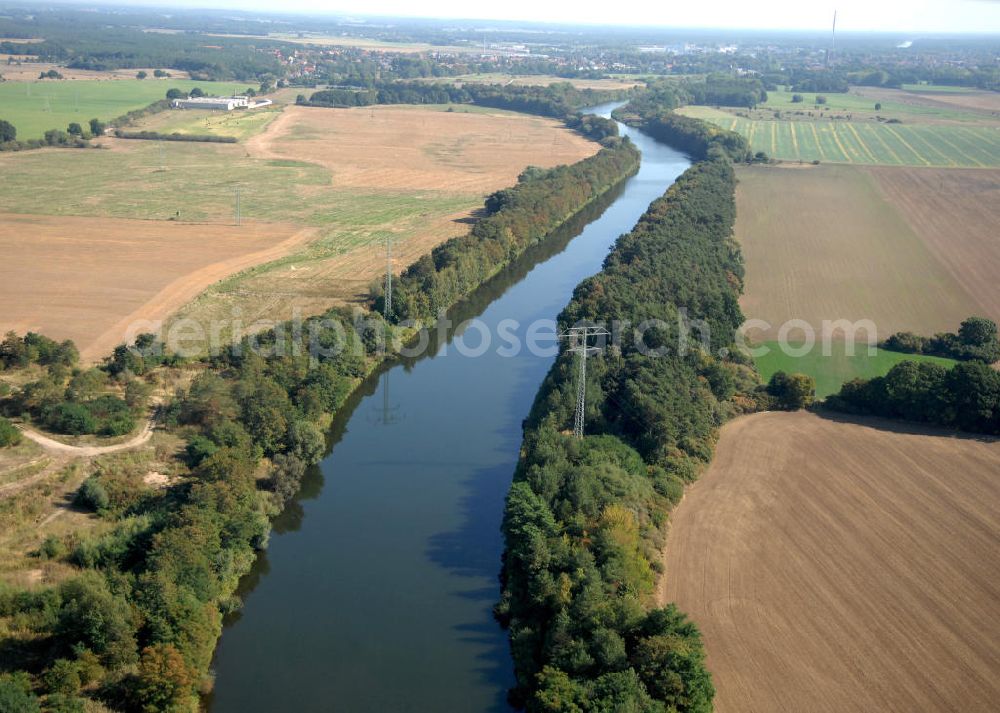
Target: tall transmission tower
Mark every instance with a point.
(238, 206)
(388, 276)
(579, 339)
(833, 40)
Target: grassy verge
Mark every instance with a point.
(832, 370)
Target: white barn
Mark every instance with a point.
(222, 103)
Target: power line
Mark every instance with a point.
(579, 337)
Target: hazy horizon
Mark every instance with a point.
(892, 16)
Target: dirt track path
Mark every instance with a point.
(836, 566)
(184, 289)
(88, 451)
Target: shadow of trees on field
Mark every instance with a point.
(910, 428)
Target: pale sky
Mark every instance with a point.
(901, 16)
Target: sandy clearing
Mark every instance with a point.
(837, 566)
(407, 148)
(89, 279)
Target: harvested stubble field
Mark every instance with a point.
(910, 249)
(399, 147)
(29, 71)
(87, 279)
(415, 175)
(936, 97)
(840, 566)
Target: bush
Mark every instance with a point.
(164, 681)
(198, 449)
(286, 477)
(791, 392)
(9, 435)
(92, 617)
(52, 548)
(71, 418)
(92, 496)
(7, 131)
(16, 696)
(63, 677)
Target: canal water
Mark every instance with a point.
(376, 593)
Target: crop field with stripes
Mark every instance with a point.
(975, 146)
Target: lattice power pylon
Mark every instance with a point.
(580, 345)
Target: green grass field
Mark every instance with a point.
(945, 145)
(35, 107)
(830, 372)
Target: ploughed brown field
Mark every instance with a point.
(908, 248)
(87, 279)
(838, 566)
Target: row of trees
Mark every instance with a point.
(66, 399)
(559, 100)
(519, 217)
(698, 138)
(966, 397)
(976, 340)
(584, 519)
(158, 136)
(726, 90)
(74, 137)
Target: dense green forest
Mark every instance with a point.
(82, 40)
(584, 521)
(651, 112)
(518, 218)
(966, 397)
